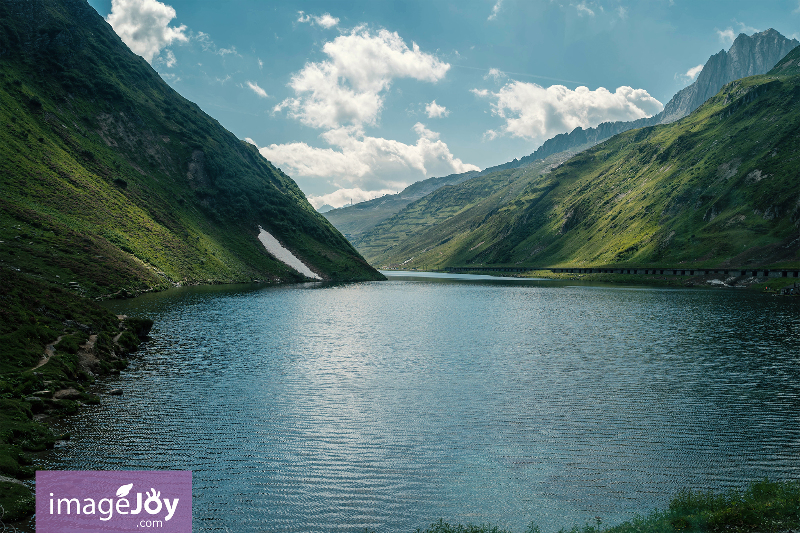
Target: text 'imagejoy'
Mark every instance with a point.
(73, 501)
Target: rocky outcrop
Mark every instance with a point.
(748, 56)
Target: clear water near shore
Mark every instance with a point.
(388, 405)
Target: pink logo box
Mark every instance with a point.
(124, 500)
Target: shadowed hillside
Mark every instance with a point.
(113, 181)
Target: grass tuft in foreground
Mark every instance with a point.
(764, 507)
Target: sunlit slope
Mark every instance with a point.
(448, 212)
(720, 187)
(111, 179)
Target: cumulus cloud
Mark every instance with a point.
(369, 163)
(144, 26)
(538, 113)
(256, 89)
(325, 20)
(495, 10)
(347, 89)
(434, 110)
(345, 196)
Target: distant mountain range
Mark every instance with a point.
(116, 184)
(718, 188)
(747, 56)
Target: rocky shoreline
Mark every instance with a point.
(54, 345)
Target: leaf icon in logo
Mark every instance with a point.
(124, 490)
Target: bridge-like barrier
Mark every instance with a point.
(727, 272)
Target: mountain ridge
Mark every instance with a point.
(747, 56)
(715, 189)
(102, 159)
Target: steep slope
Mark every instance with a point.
(718, 188)
(113, 181)
(456, 205)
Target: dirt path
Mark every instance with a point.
(49, 351)
(86, 353)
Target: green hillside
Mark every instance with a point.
(357, 219)
(455, 206)
(113, 181)
(721, 187)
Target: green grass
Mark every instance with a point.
(763, 507)
(33, 314)
(112, 180)
(718, 188)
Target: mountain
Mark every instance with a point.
(468, 201)
(718, 188)
(747, 56)
(354, 220)
(113, 181)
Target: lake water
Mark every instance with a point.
(389, 405)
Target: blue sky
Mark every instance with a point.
(357, 99)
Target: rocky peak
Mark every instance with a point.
(749, 55)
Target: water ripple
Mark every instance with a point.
(389, 405)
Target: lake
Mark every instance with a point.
(389, 405)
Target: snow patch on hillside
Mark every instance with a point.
(280, 253)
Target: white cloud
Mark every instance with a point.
(483, 93)
(325, 20)
(622, 12)
(693, 72)
(370, 163)
(167, 58)
(690, 75)
(726, 36)
(256, 89)
(495, 74)
(348, 87)
(534, 112)
(797, 9)
(260, 64)
(495, 10)
(434, 110)
(345, 196)
(583, 9)
(144, 26)
(208, 45)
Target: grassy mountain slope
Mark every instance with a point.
(357, 219)
(747, 56)
(114, 181)
(420, 224)
(718, 188)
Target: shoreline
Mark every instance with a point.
(54, 345)
(772, 285)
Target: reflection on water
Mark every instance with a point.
(390, 404)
